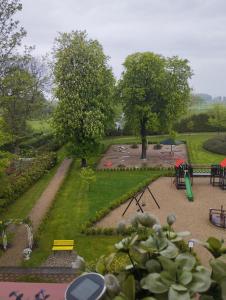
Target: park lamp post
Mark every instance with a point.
(191, 244)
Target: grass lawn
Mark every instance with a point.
(74, 205)
(40, 125)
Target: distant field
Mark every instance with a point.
(40, 125)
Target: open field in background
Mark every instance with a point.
(74, 204)
(40, 125)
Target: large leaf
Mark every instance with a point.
(219, 268)
(154, 284)
(185, 277)
(168, 264)
(179, 288)
(176, 295)
(201, 280)
(214, 243)
(171, 251)
(186, 261)
(153, 266)
(168, 278)
(128, 287)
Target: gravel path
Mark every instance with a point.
(192, 216)
(13, 256)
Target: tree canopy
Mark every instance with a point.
(154, 91)
(84, 86)
(11, 34)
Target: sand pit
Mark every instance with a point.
(124, 155)
(191, 216)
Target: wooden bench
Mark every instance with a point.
(63, 245)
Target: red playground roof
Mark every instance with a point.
(223, 163)
(179, 162)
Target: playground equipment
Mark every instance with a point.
(218, 217)
(184, 174)
(137, 198)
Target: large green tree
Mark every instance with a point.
(20, 95)
(154, 91)
(84, 87)
(217, 116)
(11, 33)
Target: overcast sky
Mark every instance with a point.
(192, 29)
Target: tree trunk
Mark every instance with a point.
(83, 163)
(143, 140)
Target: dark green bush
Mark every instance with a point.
(158, 146)
(15, 185)
(216, 145)
(195, 123)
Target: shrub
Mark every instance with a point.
(153, 266)
(199, 122)
(157, 146)
(134, 146)
(16, 184)
(216, 145)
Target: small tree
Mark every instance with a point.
(19, 96)
(84, 86)
(88, 176)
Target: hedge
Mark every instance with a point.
(216, 145)
(15, 185)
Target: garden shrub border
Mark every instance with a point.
(208, 147)
(88, 228)
(16, 185)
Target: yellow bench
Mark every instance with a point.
(63, 245)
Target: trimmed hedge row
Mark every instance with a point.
(42, 143)
(136, 169)
(216, 145)
(89, 230)
(15, 185)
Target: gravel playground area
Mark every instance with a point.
(191, 216)
(124, 155)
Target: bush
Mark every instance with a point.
(157, 146)
(16, 184)
(134, 146)
(195, 123)
(216, 145)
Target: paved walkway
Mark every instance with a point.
(55, 291)
(13, 256)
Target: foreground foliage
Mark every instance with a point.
(160, 266)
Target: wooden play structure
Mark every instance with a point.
(137, 197)
(185, 173)
(218, 217)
